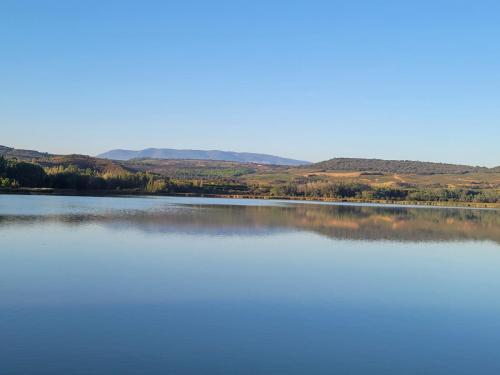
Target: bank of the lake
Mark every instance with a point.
(133, 192)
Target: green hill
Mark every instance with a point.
(394, 166)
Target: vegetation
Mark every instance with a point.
(366, 192)
(192, 169)
(395, 166)
(354, 179)
(15, 174)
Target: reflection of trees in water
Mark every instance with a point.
(341, 222)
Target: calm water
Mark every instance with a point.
(213, 286)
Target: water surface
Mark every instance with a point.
(214, 286)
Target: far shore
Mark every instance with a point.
(121, 193)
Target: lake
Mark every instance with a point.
(163, 285)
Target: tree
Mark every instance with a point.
(3, 166)
(27, 174)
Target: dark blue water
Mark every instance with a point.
(212, 286)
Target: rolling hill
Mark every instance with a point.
(336, 164)
(395, 166)
(48, 160)
(167, 153)
(163, 161)
(25, 155)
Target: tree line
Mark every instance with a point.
(15, 174)
(346, 190)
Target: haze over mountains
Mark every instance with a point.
(168, 153)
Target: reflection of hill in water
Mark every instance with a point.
(340, 222)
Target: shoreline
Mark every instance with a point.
(122, 193)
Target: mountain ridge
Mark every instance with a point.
(191, 154)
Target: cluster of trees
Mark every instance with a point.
(72, 177)
(15, 174)
(344, 190)
(320, 189)
(455, 195)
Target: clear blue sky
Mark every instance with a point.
(305, 79)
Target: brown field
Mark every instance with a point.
(480, 180)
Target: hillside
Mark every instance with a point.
(27, 155)
(205, 169)
(394, 166)
(166, 153)
(102, 166)
(48, 160)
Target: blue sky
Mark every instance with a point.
(305, 79)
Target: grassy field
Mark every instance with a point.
(478, 180)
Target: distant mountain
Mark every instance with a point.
(395, 166)
(167, 153)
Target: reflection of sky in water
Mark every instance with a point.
(49, 205)
(171, 285)
(226, 217)
(56, 205)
